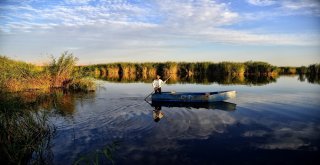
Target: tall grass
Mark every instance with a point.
(182, 69)
(26, 130)
(260, 68)
(25, 90)
(288, 70)
(20, 76)
(61, 72)
(202, 72)
(251, 72)
(65, 74)
(25, 133)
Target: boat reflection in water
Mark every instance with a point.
(219, 105)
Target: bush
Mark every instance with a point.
(60, 73)
(62, 69)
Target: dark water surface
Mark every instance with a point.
(277, 123)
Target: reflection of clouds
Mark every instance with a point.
(281, 120)
(292, 136)
(255, 133)
(184, 124)
(282, 134)
(178, 123)
(133, 122)
(166, 137)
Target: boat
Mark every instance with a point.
(193, 96)
(220, 105)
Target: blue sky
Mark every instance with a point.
(285, 32)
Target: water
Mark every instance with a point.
(268, 124)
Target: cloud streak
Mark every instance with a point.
(261, 2)
(290, 7)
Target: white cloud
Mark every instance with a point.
(78, 1)
(202, 13)
(261, 2)
(301, 4)
(290, 7)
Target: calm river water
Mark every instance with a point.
(275, 123)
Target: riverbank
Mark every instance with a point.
(18, 76)
(27, 95)
(64, 74)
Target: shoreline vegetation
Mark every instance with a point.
(26, 130)
(27, 94)
(199, 72)
(61, 73)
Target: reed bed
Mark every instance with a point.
(26, 91)
(251, 72)
(25, 133)
(59, 73)
(182, 69)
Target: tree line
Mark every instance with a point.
(187, 69)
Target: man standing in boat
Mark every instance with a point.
(157, 83)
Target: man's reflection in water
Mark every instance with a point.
(157, 114)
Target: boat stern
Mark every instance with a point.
(221, 96)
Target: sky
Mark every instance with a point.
(281, 32)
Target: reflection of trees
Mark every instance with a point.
(260, 80)
(312, 78)
(202, 79)
(302, 77)
(62, 102)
